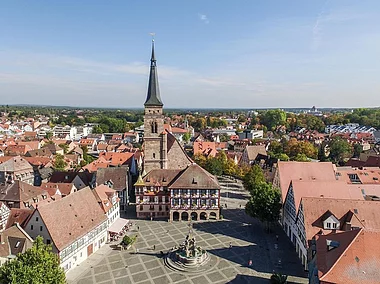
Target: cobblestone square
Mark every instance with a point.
(246, 235)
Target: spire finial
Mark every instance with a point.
(152, 34)
(153, 58)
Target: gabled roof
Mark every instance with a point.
(324, 189)
(161, 177)
(360, 213)
(103, 195)
(19, 191)
(195, 177)
(16, 164)
(81, 214)
(14, 241)
(118, 176)
(68, 177)
(18, 215)
(355, 260)
(254, 150)
(64, 188)
(303, 171)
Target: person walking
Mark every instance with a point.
(154, 247)
(230, 245)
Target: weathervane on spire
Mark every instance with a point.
(152, 34)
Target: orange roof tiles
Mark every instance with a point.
(364, 213)
(81, 213)
(324, 189)
(355, 260)
(322, 171)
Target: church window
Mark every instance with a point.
(154, 155)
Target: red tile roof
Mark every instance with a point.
(324, 189)
(81, 214)
(323, 171)
(355, 260)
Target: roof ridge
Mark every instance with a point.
(342, 254)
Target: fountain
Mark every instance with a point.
(188, 257)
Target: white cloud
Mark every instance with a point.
(203, 18)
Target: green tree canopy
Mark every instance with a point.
(38, 265)
(253, 178)
(340, 149)
(273, 118)
(186, 137)
(264, 203)
(59, 163)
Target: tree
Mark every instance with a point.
(301, 158)
(264, 203)
(65, 147)
(273, 118)
(86, 157)
(97, 129)
(357, 150)
(49, 135)
(214, 166)
(340, 149)
(38, 265)
(200, 160)
(186, 137)
(59, 163)
(278, 278)
(254, 177)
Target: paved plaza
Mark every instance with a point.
(228, 265)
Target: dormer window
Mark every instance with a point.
(331, 222)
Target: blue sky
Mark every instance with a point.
(214, 53)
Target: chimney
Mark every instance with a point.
(347, 226)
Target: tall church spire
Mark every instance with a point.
(153, 97)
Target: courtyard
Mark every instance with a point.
(248, 242)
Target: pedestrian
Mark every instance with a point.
(151, 218)
(250, 262)
(240, 206)
(230, 245)
(154, 247)
(225, 205)
(138, 228)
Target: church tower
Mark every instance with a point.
(155, 137)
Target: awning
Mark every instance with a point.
(118, 225)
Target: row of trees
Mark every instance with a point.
(293, 150)
(336, 150)
(271, 119)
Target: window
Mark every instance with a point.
(328, 225)
(48, 242)
(335, 225)
(17, 244)
(40, 228)
(154, 155)
(31, 227)
(36, 219)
